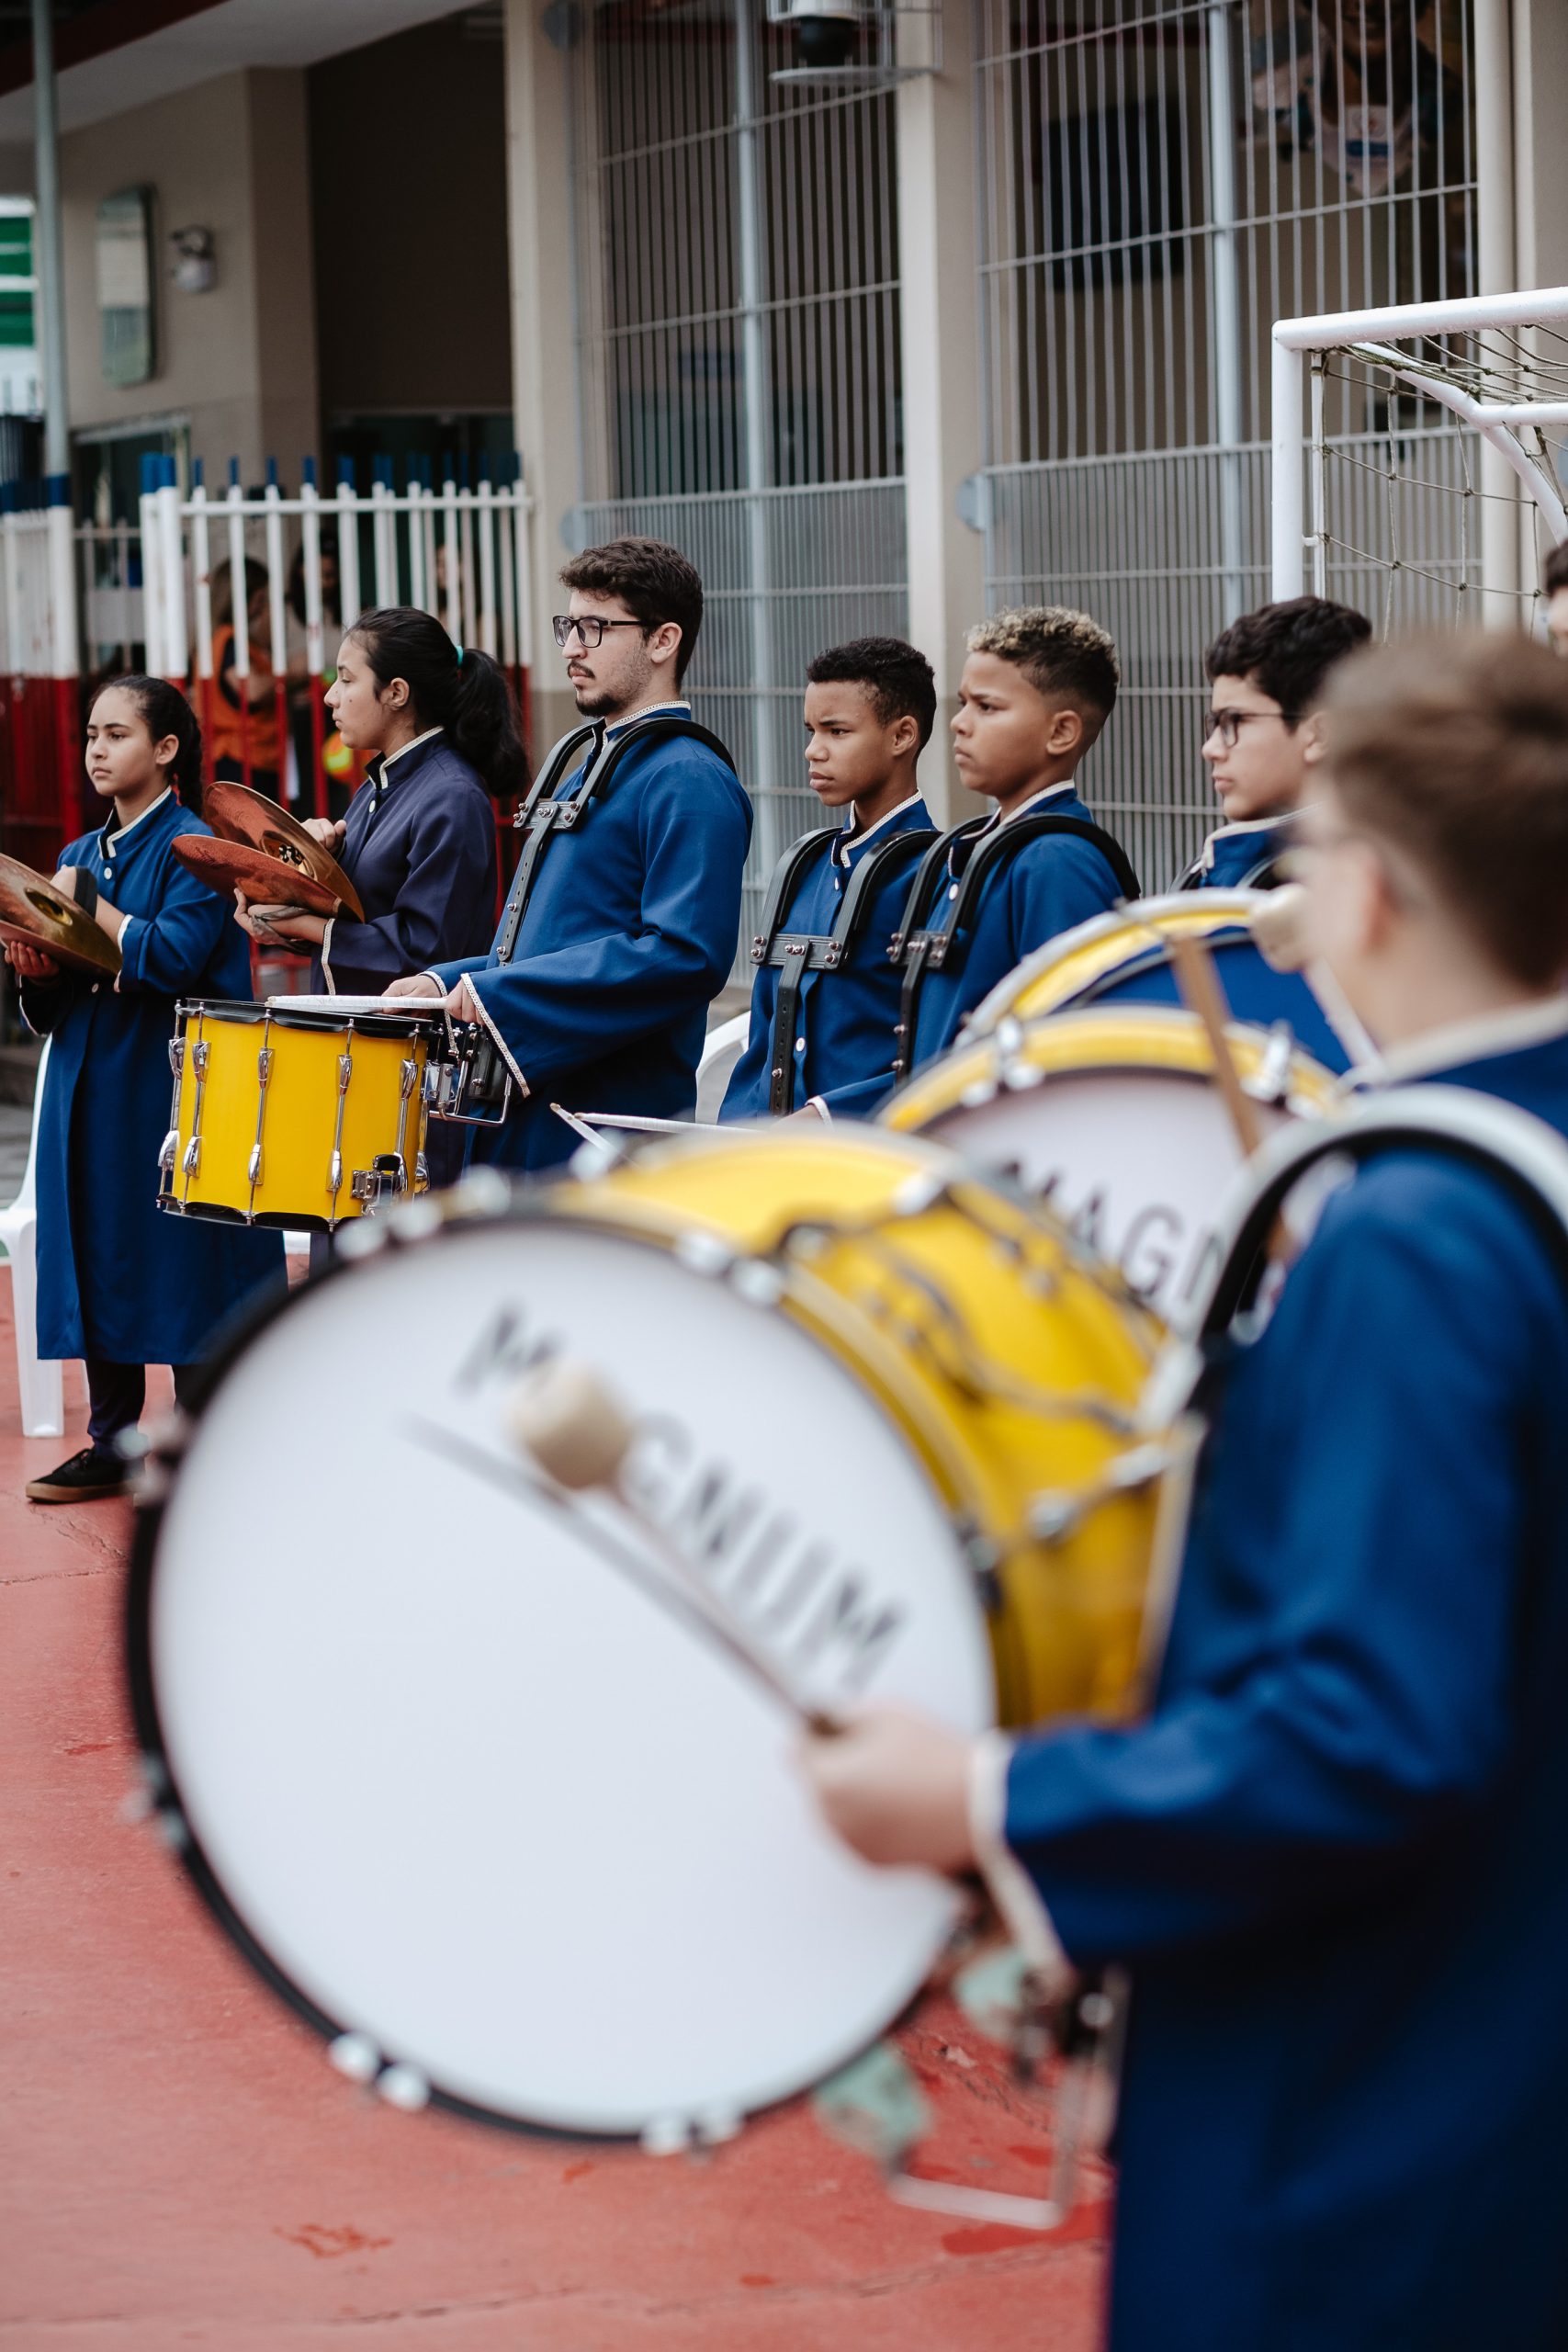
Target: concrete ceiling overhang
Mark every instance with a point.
(191, 43)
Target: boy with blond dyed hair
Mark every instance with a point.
(1038, 685)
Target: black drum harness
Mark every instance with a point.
(1264, 874)
(479, 1074)
(794, 954)
(919, 949)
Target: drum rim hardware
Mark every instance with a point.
(389, 1177)
(481, 1207)
(1023, 1053)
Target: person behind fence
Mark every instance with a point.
(826, 998)
(120, 1284)
(620, 925)
(244, 726)
(1267, 674)
(1037, 687)
(305, 687)
(1331, 1853)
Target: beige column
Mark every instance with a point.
(544, 372)
(938, 264)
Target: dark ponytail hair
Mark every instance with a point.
(165, 711)
(461, 691)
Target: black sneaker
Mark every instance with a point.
(86, 1478)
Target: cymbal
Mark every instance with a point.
(35, 913)
(227, 866)
(237, 814)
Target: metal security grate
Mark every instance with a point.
(736, 248)
(1161, 180)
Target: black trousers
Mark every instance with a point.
(116, 1394)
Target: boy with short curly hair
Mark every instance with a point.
(1038, 685)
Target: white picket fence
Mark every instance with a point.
(459, 552)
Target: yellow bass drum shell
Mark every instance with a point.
(1009, 1365)
(1111, 1117)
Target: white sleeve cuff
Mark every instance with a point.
(327, 956)
(815, 1102)
(501, 1044)
(1009, 1886)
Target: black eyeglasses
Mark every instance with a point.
(1227, 724)
(588, 628)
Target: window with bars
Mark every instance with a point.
(1161, 180)
(738, 357)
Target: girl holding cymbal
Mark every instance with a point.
(121, 1284)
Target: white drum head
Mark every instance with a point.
(1134, 1161)
(460, 1784)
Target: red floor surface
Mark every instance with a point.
(178, 2165)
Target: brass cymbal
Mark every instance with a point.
(237, 814)
(38, 915)
(227, 866)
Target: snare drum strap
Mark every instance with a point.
(921, 948)
(545, 813)
(794, 954)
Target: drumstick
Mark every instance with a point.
(574, 1427)
(1202, 994)
(692, 1606)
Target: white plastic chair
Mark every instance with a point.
(722, 1048)
(41, 1385)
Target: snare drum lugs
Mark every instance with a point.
(294, 1113)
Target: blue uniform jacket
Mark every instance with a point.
(629, 935)
(419, 846)
(1335, 1854)
(844, 1045)
(1051, 884)
(1254, 991)
(1230, 858)
(117, 1277)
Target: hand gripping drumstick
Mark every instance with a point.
(575, 1428)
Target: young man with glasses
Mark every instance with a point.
(1267, 674)
(621, 923)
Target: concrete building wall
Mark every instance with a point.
(239, 362)
(408, 164)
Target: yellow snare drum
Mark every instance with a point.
(295, 1112)
(1113, 1116)
(1009, 1365)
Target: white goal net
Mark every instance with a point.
(1420, 455)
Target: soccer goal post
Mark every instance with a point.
(1419, 454)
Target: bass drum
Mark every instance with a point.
(1113, 1118)
(1124, 958)
(442, 1749)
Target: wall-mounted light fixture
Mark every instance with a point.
(193, 262)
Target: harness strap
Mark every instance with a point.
(1528, 1156)
(543, 815)
(795, 953)
(1263, 874)
(921, 949)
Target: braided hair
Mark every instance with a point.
(164, 711)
